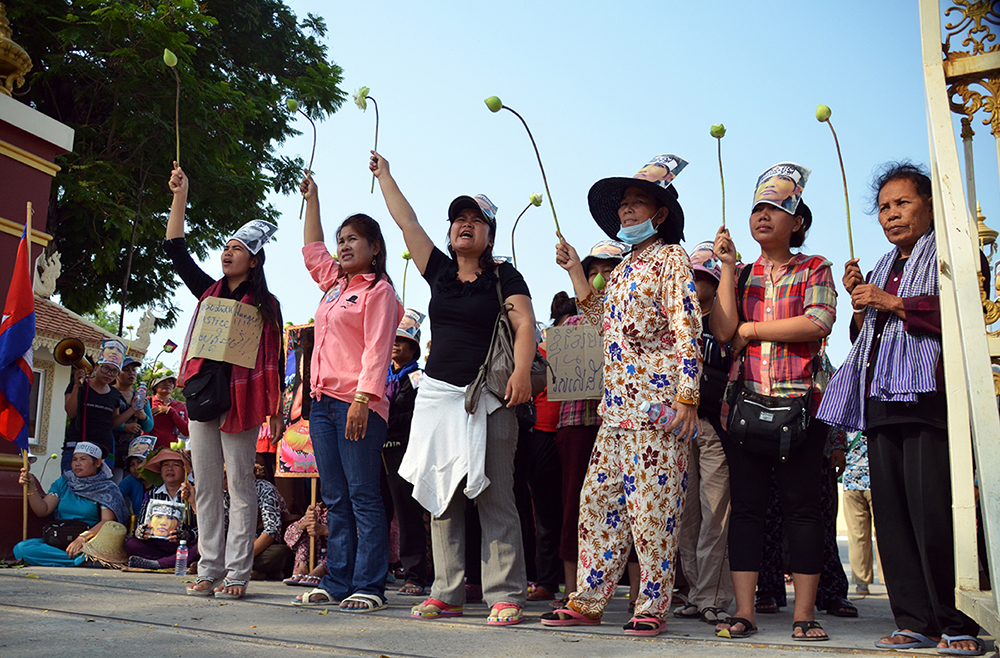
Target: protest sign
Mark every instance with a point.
(576, 355)
(226, 330)
(163, 517)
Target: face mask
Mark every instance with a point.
(637, 234)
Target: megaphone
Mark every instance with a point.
(70, 352)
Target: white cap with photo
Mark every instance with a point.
(781, 186)
(254, 235)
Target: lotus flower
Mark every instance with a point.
(599, 282)
(361, 99)
(823, 116)
(496, 105)
(536, 199)
(718, 131)
(170, 59)
(406, 255)
(292, 105)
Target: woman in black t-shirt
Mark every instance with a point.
(450, 448)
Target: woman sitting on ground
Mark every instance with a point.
(160, 529)
(85, 493)
(312, 524)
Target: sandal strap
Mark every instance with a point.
(504, 606)
(204, 579)
(229, 582)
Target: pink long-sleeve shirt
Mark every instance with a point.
(355, 329)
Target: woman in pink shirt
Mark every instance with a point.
(355, 329)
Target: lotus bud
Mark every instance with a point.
(54, 456)
(599, 282)
(536, 198)
(494, 104)
(292, 105)
(718, 131)
(823, 113)
(169, 58)
(406, 255)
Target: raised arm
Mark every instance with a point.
(179, 187)
(417, 241)
(312, 229)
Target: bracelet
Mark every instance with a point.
(755, 331)
(361, 397)
(84, 534)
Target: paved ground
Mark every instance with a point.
(89, 612)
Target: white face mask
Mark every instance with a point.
(637, 234)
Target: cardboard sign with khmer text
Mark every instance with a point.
(576, 355)
(226, 330)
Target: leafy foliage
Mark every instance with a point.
(98, 67)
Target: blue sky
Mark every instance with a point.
(604, 87)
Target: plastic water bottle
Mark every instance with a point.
(181, 564)
(140, 396)
(662, 414)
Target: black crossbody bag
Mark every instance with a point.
(764, 424)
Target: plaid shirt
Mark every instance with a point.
(578, 412)
(803, 286)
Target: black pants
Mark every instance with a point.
(410, 517)
(538, 495)
(797, 481)
(833, 583)
(911, 501)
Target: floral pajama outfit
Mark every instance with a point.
(634, 490)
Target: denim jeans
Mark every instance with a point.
(357, 557)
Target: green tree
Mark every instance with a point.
(104, 318)
(98, 67)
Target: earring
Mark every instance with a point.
(373, 262)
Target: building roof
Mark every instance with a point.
(54, 322)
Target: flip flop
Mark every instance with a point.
(307, 598)
(371, 603)
(508, 620)
(294, 580)
(226, 584)
(807, 626)
(712, 615)
(842, 608)
(443, 609)
(980, 646)
(689, 611)
(748, 629)
(411, 589)
(632, 627)
(919, 641)
(575, 618)
(309, 581)
(191, 591)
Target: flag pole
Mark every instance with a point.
(24, 452)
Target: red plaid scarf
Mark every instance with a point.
(254, 393)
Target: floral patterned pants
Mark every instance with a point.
(633, 493)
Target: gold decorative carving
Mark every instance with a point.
(973, 20)
(14, 61)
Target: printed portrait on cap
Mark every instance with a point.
(254, 235)
(781, 186)
(112, 353)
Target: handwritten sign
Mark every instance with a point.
(576, 355)
(226, 330)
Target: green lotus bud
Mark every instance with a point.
(292, 105)
(361, 98)
(406, 255)
(169, 58)
(536, 198)
(54, 456)
(718, 131)
(599, 282)
(494, 104)
(823, 113)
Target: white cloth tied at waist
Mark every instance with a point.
(446, 444)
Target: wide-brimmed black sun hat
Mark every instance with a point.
(656, 179)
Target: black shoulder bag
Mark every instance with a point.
(763, 424)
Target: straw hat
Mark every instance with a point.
(155, 462)
(108, 545)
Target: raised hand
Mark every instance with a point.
(178, 180)
(378, 165)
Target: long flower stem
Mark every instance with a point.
(544, 179)
(513, 251)
(372, 191)
(177, 114)
(311, 156)
(843, 173)
(722, 180)
(405, 268)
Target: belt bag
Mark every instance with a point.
(60, 534)
(766, 425)
(207, 394)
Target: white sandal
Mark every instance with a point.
(307, 598)
(371, 602)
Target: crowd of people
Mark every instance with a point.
(693, 497)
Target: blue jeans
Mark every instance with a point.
(357, 557)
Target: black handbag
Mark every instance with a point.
(60, 534)
(763, 424)
(207, 394)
